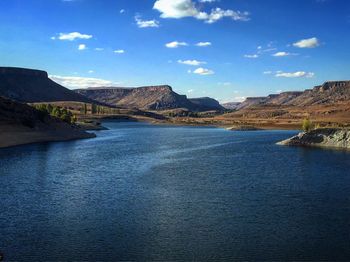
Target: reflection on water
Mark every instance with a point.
(143, 192)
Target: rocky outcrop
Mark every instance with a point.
(30, 86)
(324, 137)
(22, 124)
(243, 128)
(146, 98)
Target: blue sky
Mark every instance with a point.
(226, 49)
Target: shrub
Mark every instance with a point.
(307, 125)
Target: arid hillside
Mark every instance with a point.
(148, 98)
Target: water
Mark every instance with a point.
(143, 192)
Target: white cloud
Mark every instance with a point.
(251, 56)
(74, 82)
(218, 13)
(99, 49)
(190, 91)
(298, 74)
(187, 8)
(307, 43)
(82, 47)
(91, 71)
(281, 54)
(119, 51)
(203, 44)
(208, 1)
(146, 23)
(175, 44)
(203, 71)
(71, 36)
(191, 62)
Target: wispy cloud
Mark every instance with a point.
(307, 43)
(254, 56)
(203, 71)
(71, 36)
(146, 23)
(298, 74)
(203, 44)
(74, 82)
(191, 62)
(187, 8)
(119, 51)
(282, 54)
(175, 44)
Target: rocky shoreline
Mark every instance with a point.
(323, 137)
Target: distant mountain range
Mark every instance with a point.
(33, 86)
(329, 93)
(149, 98)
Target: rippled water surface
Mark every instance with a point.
(143, 192)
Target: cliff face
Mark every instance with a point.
(147, 98)
(328, 137)
(30, 86)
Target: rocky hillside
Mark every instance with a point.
(231, 105)
(28, 85)
(147, 98)
(22, 124)
(207, 104)
(329, 93)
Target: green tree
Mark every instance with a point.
(93, 109)
(307, 125)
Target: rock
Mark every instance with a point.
(324, 137)
(243, 128)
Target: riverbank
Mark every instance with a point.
(323, 137)
(11, 135)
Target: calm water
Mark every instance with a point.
(142, 192)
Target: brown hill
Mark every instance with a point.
(22, 124)
(28, 85)
(147, 98)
